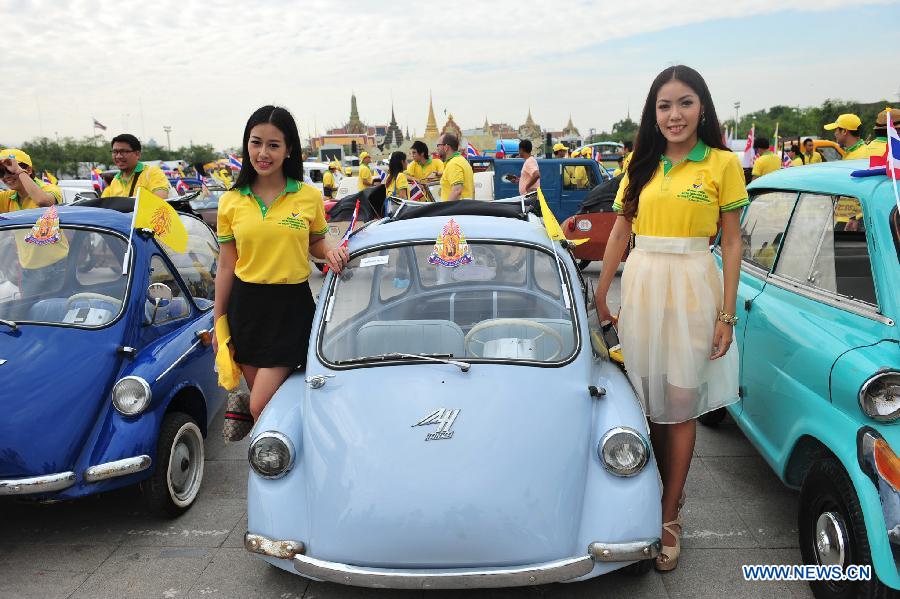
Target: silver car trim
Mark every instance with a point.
(117, 468)
(419, 579)
(46, 483)
(272, 548)
(178, 360)
(625, 552)
(834, 300)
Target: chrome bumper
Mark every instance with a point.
(47, 483)
(50, 483)
(453, 578)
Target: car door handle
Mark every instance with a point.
(747, 304)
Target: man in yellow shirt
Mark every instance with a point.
(846, 133)
(458, 180)
(365, 173)
(560, 150)
(421, 167)
(766, 162)
(134, 174)
(809, 155)
(17, 171)
(329, 183)
(878, 145)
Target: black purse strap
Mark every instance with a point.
(135, 176)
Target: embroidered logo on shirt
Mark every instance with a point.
(293, 222)
(695, 193)
(698, 182)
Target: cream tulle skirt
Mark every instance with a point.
(671, 295)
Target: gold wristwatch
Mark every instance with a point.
(728, 318)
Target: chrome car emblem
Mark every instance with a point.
(444, 419)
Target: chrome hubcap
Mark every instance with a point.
(185, 465)
(831, 539)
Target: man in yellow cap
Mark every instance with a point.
(25, 191)
(365, 173)
(560, 150)
(847, 134)
(878, 145)
(329, 184)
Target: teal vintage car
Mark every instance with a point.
(819, 303)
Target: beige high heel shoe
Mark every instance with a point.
(667, 559)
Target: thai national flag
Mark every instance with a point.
(181, 187)
(889, 162)
(380, 174)
(234, 162)
(97, 180)
(597, 155)
(415, 192)
(471, 151)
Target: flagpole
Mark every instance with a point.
(126, 260)
(891, 173)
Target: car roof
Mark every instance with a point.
(832, 178)
(472, 227)
(73, 215)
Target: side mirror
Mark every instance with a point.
(159, 294)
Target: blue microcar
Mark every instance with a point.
(107, 374)
(819, 305)
(459, 423)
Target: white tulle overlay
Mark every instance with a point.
(671, 295)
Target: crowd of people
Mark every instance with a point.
(680, 184)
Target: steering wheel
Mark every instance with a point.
(498, 322)
(93, 296)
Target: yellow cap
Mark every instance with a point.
(348, 171)
(363, 156)
(587, 152)
(558, 146)
(333, 164)
(881, 120)
(18, 155)
(850, 122)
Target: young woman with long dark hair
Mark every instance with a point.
(396, 183)
(269, 223)
(677, 318)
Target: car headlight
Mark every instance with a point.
(271, 455)
(879, 397)
(623, 451)
(131, 395)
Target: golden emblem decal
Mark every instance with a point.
(450, 249)
(161, 222)
(46, 230)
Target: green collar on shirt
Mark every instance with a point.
(853, 147)
(698, 154)
(884, 139)
(291, 186)
(137, 171)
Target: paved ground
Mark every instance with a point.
(108, 546)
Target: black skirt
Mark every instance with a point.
(270, 324)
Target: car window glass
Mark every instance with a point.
(197, 265)
(99, 259)
(177, 307)
(828, 153)
(546, 274)
(826, 247)
(578, 176)
(763, 225)
(895, 228)
(396, 276)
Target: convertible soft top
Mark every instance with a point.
(126, 204)
(463, 207)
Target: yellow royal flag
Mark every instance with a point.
(551, 224)
(154, 213)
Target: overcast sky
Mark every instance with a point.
(203, 67)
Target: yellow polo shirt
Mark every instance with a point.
(328, 183)
(458, 171)
(856, 151)
(765, 164)
(10, 200)
(814, 159)
(150, 179)
(365, 176)
(797, 161)
(420, 171)
(397, 184)
(272, 243)
(876, 147)
(685, 199)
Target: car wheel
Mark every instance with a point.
(582, 264)
(713, 418)
(178, 468)
(833, 532)
(638, 568)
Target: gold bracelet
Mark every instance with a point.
(727, 318)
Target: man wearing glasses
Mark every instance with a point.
(24, 191)
(126, 154)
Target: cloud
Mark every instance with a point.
(203, 67)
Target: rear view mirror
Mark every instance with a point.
(159, 294)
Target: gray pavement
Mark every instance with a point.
(737, 512)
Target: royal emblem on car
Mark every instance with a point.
(442, 417)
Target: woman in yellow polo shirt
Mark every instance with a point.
(396, 184)
(677, 318)
(268, 225)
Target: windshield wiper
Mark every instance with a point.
(10, 324)
(440, 358)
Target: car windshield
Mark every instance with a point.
(61, 276)
(208, 198)
(506, 303)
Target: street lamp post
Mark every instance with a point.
(168, 129)
(737, 112)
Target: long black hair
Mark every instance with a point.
(284, 121)
(395, 166)
(650, 144)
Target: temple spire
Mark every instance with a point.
(431, 130)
